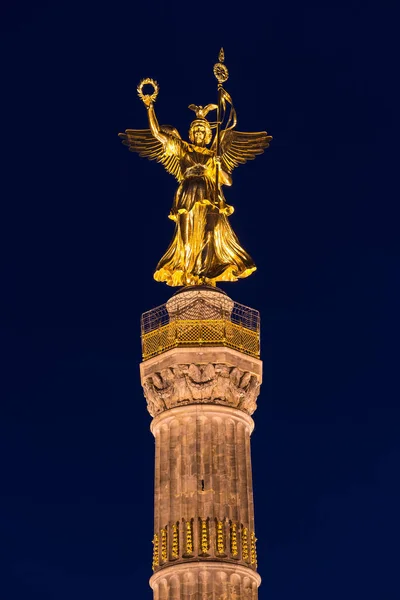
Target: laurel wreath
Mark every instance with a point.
(152, 96)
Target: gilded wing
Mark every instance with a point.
(145, 144)
(238, 147)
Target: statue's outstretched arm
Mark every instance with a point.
(154, 126)
(163, 143)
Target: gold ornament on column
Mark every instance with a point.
(164, 548)
(175, 541)
(156, 560)
(205, 546)
(253, 552)
(245, 544)
(220, 538)
(189, 538)
(234, 545)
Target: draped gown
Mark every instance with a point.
(204, 247)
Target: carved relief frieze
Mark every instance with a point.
(213, 383)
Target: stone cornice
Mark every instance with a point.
(202, 355)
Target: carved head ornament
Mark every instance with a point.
(201, 121)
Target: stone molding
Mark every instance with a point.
(214, 577)
(204, 410)
(202, 355)
(194, 383)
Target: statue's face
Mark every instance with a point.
(198, 133)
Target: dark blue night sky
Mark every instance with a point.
(84, 223)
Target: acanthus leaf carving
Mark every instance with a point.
(195, 383)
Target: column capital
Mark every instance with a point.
(215, 375)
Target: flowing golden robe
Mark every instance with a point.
(204, 248)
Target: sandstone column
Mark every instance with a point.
(201, 378)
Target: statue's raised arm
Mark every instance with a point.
(162, 144)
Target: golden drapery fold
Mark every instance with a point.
(204, 247)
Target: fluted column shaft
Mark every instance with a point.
(203, 473)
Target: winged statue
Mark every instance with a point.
(204, 248)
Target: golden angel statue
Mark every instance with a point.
(204, 248)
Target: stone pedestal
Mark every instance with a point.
(201, 400)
